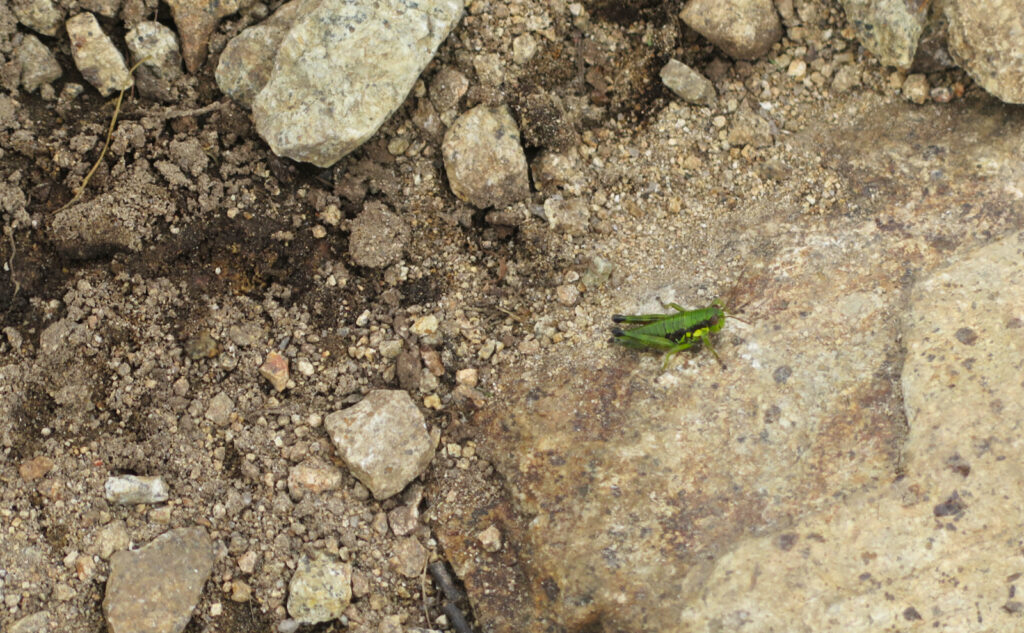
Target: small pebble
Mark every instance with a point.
(130, 490)
(275, 370)
(490, 539)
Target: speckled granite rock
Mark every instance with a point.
(323, 101)
(889, 29)
(986, 40)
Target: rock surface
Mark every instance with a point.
(38, 65)
(96, 57)
(320, 590)
(986, 41)
(687, 84)
(245, 64)
(156, 47)
(383, 440)
(155, 588)
(743, 29)
(42, 16)
(951, 523)
(650, 480)
(485, 163)
(323, 101)
(129, 490)
(196, 21)
(890, 29)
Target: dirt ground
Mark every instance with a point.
(201, 252)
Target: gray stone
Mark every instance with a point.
(245, 64)
(96, 57)
(889, 29)
(322, 101)
(688, 84)
(38, 65)
(42, 16)
(220, 408)
(383, 440)
(743, 29)
(985, 39)
(377, 237)
(485, 163)
(129, 490)
(155, 588)
(156, 47)
(320, 590)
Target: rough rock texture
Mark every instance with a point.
(245, 64)
(940, 546)
(130, 490)
(95, 55)
(743, 29)
(889, 29)
(987, 40)
(377, 237)
(42, 16)
(383, 440)
(156, 46)
(648, 479)
(38, 65)
(484, 161)
(196, 21)
(154, 589)
(323, 101)
(687, 83)
(320, 590)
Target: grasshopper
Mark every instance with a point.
(673, 333)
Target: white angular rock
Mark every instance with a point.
(383, 440)
(129, 490)
(341, 71)
(95, 55)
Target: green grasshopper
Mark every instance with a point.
(673, 333)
